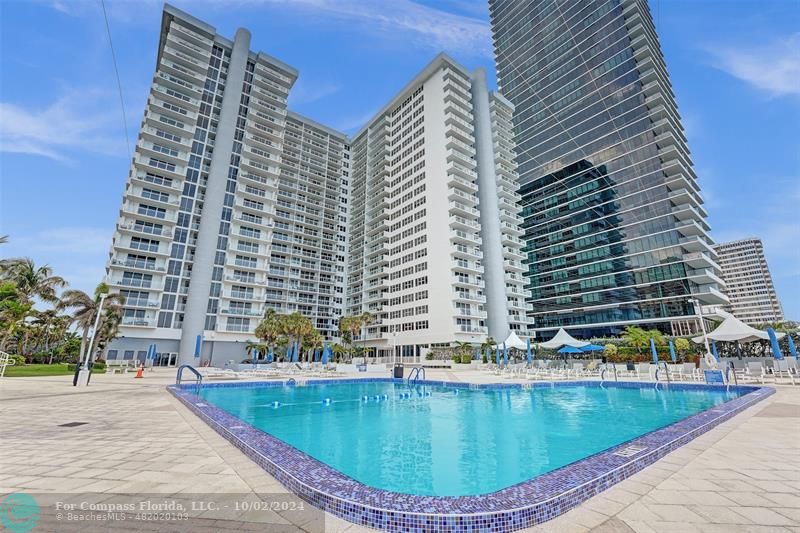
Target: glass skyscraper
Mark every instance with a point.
(615, 229)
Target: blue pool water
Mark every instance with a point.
(440, 442)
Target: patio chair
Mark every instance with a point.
(643, 371)
(755, 371)
(782, 370)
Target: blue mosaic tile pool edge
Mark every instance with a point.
(528, 503)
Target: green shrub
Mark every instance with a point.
(456, 358)
(19, 360)
(466, 359)
(429, 356)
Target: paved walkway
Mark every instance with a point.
(743, 475)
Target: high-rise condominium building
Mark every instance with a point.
(615, 229)
(748, 282)
(233, 204)
(434, 227)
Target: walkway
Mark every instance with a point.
(743, 475)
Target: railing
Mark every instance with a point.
(193, 370)
(415, 374)
(662, 367)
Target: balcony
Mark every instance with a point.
(138, 265)
(471, 329)
(700, 260)
(138, 322)
(242, 312)
(705, 276)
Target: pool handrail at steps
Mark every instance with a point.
(193, 370)
(414, 375)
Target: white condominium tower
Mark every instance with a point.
(233, 204)
(434, 220)
(748, 282)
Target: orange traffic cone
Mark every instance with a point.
(140, 373)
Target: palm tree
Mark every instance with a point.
(338, 351)
(3, 239)
(85, 311)
(311, 341)
(636, 338)
(270, 328)
(255, 349)
(295, 326)
(32, 281)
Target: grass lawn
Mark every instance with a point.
(27, 371)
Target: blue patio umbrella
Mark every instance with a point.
(773, 340)
(497, 355)
(714, 351)
(505, 354)
(530, 353)
(653, 350)
(198, 343)
(570, 349)
(488, 355)
(672, 352)
(792, 347)
(270, 355)
(592, 348)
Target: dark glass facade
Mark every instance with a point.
(615, 230)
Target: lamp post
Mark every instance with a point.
(85, 366)
(699, 309)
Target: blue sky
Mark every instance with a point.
(734, 65)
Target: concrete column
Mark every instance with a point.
(200, 285)
(493, 270)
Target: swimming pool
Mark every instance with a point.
(449, 456)
(442, 441)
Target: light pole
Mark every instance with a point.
(83, 376)
(699, 308)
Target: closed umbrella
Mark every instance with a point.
(792, 347)
(270, 355)
(198, 343)
(530, 353)
(773, 340)
(653, 350)
(497, 355)
(672, 352)
(714, 351)
(325, 355)
(505, 354)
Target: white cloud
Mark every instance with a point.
(76, 253)
(71, 122)
(305, 92)
(772, 67)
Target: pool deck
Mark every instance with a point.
(743, 475)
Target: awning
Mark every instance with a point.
(563, 338)
(513, 341)
(734, 330)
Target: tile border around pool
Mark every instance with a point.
(522, 505)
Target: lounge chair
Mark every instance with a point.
(781, 369)
(755, 371)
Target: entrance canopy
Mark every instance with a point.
(561, 339)
(734, 330)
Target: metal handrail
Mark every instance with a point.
(193, 370)
(605, 368)
(665, 369)
(414, 375)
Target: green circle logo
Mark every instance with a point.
(19, 512)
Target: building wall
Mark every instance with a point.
(233, 204)
(748, 282)
(419, 268)
(615, 229)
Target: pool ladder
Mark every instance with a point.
(198, 376)
(416, 373)
(662, 367)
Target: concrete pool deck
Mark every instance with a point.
(743, 475)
